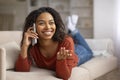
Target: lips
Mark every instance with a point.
(47, 33)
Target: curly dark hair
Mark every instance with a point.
(60, 27)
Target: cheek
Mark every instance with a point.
(54, 27)
(38, 29)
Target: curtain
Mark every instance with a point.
(117, 31)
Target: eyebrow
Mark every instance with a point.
(43, 20)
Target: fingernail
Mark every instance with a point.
(67, 50)
(70, 54)
(58, 53)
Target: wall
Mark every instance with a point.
(106, 24)
(104, 18)
(83, 8)
(15, 8)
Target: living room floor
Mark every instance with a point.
(113, 75)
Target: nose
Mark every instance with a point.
(47, 26)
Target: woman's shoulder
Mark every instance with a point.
(67, 42)
(68, 39)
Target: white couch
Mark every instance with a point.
(103, 61)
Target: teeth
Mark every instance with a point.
(47, 33)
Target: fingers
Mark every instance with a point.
(69, 54)
(63, 54)
(31, 33)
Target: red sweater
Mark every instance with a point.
(62, 67)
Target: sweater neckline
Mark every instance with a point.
(55, 54)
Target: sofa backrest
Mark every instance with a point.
(7, 36)
(101, 45)
(95, 44)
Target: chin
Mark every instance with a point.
(47, 38)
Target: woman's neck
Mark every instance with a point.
(46, 43)
(48, 48)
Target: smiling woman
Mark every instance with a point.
(54, 47)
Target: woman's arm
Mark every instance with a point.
(64, 67)
(65, 63)
(23, 63)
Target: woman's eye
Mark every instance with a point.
(41, 23)
(51, 23)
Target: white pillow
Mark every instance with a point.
(12, 52)
(100, 53)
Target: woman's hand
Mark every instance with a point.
(64, 54)
(28, 35)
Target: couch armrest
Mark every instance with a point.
(2, 64)
(101, 44)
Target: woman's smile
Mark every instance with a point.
(48, 32)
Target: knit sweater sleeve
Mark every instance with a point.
(22, 65)
(64, 67)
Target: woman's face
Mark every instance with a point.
(45, 26)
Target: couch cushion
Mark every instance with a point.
(78, 73)
(12, 51)
(99, 66)
(34, 74)
(97, 53)
(102, 44)
(8, 36)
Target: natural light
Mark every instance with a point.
(118, 20)
(118, 31)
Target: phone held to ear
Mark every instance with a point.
(34, 41)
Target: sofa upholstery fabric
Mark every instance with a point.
(12, 50)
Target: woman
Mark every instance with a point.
(53, 49)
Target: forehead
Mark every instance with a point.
(45, 16)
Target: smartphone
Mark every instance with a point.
(34, 41)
